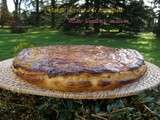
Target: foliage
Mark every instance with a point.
(157, 26)
(18, 29)
(133, 11)
(137, 14)
(5, 16)
(18, 106)
(42, 12)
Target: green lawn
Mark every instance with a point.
(10, 44)
(15, 106)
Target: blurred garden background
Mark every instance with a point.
(115, 23)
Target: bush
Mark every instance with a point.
(17, 26)
(18, 29)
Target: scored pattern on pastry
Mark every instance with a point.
(79, 67)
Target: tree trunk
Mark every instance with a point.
(96, 14)
(16, 10)
(86, 13)
(16, 24)
(53, 14)
(17, 5)
(158, 26)
(37, 12)
(4, 13)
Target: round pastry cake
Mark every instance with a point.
(78, 68)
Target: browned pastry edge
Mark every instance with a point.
(83, 81)
(76, 59)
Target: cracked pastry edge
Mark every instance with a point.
(83, 81)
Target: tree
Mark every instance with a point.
(135, 13)
(149, 19)
(37, 12)
(17, 25)
(53, 2)
(17, 4)
(38, 7)
(4, 14)
(157, 4)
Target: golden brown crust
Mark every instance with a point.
(75, 59)
(83, 81)
(79, 67)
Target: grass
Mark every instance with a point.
(28, 107)
(146, 43)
